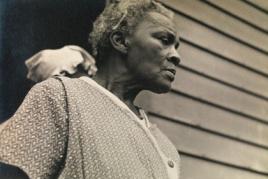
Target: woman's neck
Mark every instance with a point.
(115, 77)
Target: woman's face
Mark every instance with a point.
(152, 53)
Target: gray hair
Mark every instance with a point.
(121, 15)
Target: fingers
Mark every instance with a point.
(83, 52)
(89, 61)
(32, 60)
(63, 61)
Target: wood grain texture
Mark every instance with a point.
(193, 168)
(262, 4)
(216, 42)
(220, 94)
(224, 22)
(244, 11)
(217, 110)
(196, 113)
(221, 69)
(204, 144)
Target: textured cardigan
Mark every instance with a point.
(74, 128)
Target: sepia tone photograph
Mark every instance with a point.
(134, 89)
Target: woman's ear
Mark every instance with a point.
(118, 41)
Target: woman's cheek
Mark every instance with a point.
(157, 45)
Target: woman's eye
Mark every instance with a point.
(164, 40)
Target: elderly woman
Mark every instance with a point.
(90, 128)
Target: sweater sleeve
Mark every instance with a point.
(35, 138)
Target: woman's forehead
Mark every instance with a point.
(155, 21)
(158, 19)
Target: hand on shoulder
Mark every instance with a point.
(60, 62)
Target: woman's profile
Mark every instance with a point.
(89, 127)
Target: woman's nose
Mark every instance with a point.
(174, 57)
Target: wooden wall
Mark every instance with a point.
(217, 111)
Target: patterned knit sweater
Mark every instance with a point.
(73, 128)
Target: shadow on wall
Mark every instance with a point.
(28, 26)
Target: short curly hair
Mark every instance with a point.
(123, 15)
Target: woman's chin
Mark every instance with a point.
(163, 88)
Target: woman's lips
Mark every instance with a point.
(170, 73)
(173, 71)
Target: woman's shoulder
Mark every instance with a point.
(56, 83)
(76, 89)
(51, 85)
(69, 87)
(76, 84)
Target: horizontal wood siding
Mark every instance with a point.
(202, 143)
(218, 68)
(244, 11)
(220, 44)
(261, 5)
(220, 94)
(217, 111)
(195, 168)
(191, 111)
(224, 22)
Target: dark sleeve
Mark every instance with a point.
(35, 138)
